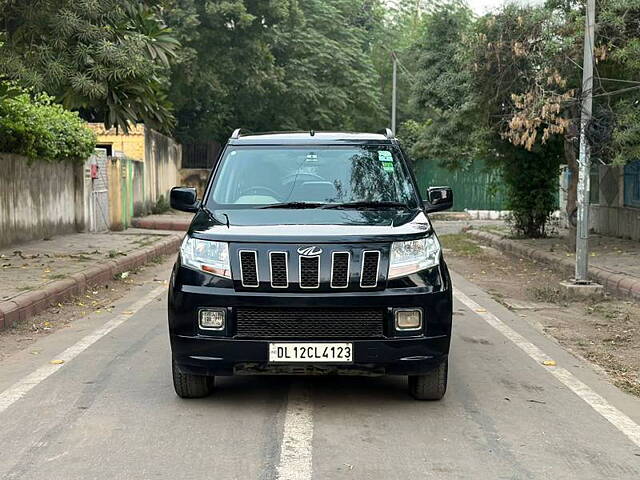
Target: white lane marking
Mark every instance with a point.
(295, 450)
(22, 387)
(618, 419)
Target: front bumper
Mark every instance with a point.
(214, 356)
(204, 353)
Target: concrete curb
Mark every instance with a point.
(178, 224)
(614, 283)
(26, 305)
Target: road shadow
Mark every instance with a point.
(243, 390)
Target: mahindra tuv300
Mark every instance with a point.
(311, 253)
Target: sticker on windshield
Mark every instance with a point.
(385, 156)
(387, 160)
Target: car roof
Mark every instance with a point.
(304, 138)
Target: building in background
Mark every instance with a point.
(143, 165)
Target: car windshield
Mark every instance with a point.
(320, 176)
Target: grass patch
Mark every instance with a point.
(158, 259)
(460, 244)
(56, 276)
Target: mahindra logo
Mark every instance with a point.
(308, 251)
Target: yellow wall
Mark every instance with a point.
(161, 157)
(132, 144)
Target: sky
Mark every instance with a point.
(480, 7)
(483, 6)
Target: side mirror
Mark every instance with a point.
(438, 199)
(184, 199)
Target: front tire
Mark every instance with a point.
(432, 385)
(191, 386)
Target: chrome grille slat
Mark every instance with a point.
(249, 268)
(340, 269)
(370, 267)
(279, 265)
(309, 268)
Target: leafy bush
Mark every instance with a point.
(531, 181)
(38, 128)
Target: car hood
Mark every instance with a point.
(309, 225)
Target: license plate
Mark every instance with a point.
(311, 352)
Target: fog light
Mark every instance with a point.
(408, 319)
(212, 319)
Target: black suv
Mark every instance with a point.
(311, 253)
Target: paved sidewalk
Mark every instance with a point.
(34, 275)
(613, 262)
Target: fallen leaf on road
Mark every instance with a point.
(481, 310)
(127, 312)
(549, 363)
(56, 362)
(124, 275)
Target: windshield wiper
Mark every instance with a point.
(356, 205)
(294, 205)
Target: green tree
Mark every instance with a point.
(474, 74)
(226, 70)
(108, 58)
(281, 64)
(445, 126)
(329, 81)
(397, 33)
(528, 75)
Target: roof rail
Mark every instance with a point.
(387, 133)
(236, 133)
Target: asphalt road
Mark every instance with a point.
(109, 411)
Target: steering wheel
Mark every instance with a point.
(259, 188)
(292, 176)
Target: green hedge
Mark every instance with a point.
(38, 128)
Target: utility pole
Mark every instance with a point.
(584, 160)
(393, 94)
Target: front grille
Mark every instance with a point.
(369, 274)
(281, 268)
(309, 323)
(248, 268)
(309, 272)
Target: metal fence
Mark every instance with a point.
(632, 184)
(200, 155)
(475, 188)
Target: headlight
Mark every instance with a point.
(413, 256)
(207, 256)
